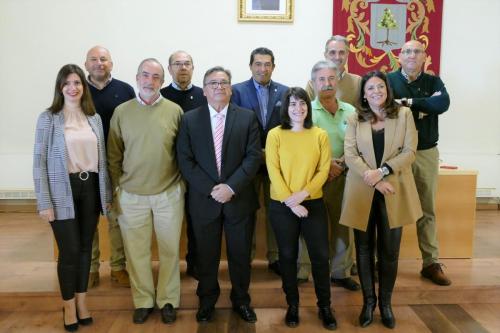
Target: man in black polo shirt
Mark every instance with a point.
(107, 93)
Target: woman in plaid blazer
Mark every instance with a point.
(71, 184)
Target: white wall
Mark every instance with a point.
(38, 37)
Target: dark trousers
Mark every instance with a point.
(191, 239)
(208, 234)
(74, 236)
(314, 228)
(388, 242)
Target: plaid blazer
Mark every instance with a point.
(50, 171)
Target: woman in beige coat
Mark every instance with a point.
(380, 194)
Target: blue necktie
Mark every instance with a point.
(263, 96)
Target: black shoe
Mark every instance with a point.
(275, 267)
(326, 315)
(192, 271)
(141, 315)
(71, 327)
(205, 314)
(346, 283)
(292, 316)
(168, 314)
(387, 316)
(366, 315)
(246, 313)
(84, 321)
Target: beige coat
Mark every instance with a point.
(400, 145)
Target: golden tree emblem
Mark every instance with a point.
(389, 23)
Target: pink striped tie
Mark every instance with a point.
(218, 136)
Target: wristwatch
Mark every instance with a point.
(384, 171)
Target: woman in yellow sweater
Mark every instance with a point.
(298, 160)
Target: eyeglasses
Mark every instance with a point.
(216, 84)
(416, 52)
(179, 64)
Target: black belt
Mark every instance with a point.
(83, 175)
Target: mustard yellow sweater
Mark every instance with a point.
(297, 161)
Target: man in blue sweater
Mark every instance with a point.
(107, 93)
(427, 97)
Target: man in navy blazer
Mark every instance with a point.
(263, 96)
(218, 151)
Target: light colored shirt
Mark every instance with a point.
(213, 116)
(176, 87)
(81, 143)
(334, 125)
(157, 100)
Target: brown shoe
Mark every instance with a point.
(93, 280)
(435, 273)
(120, 278)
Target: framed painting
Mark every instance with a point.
(280, 11)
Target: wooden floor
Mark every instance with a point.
(30, 301)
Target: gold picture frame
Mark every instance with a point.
(280, 11)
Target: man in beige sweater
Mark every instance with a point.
(149, 191)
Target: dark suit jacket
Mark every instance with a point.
(241, 158)
(245, 96)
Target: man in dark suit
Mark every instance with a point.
(263, 96)
(218, 151)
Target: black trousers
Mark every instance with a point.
(388, 243)
(314, 228)
(191, 239)
(74, 236)
(208, 234)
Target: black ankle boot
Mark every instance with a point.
(386, 310)
(292, 316)
(327, 317)
(366, 315)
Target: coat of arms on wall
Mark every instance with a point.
(377, 29)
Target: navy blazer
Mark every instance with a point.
(241, 158)
(245, 96)
(50, 169)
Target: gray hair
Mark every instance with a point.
(337, 38)
(217, 69)
(322, 64)
(139, 69)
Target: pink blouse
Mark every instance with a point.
(81, 143)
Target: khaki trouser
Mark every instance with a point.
(140, 213)
(261, 182)
(341, 237)
(425, 171)
(117, 253)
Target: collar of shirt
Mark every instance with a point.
(108, 81)
(407, 77)
(258, 85)
(316, 104)
(213, 116)
(176, 87)
(341, 75)
(156, 101)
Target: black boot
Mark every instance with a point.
(386, 310)
(327, 317)
(366, 315)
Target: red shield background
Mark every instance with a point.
(351, 18)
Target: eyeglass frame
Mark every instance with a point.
(216, 84)
(416, 52)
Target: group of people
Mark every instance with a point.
(343, 154)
